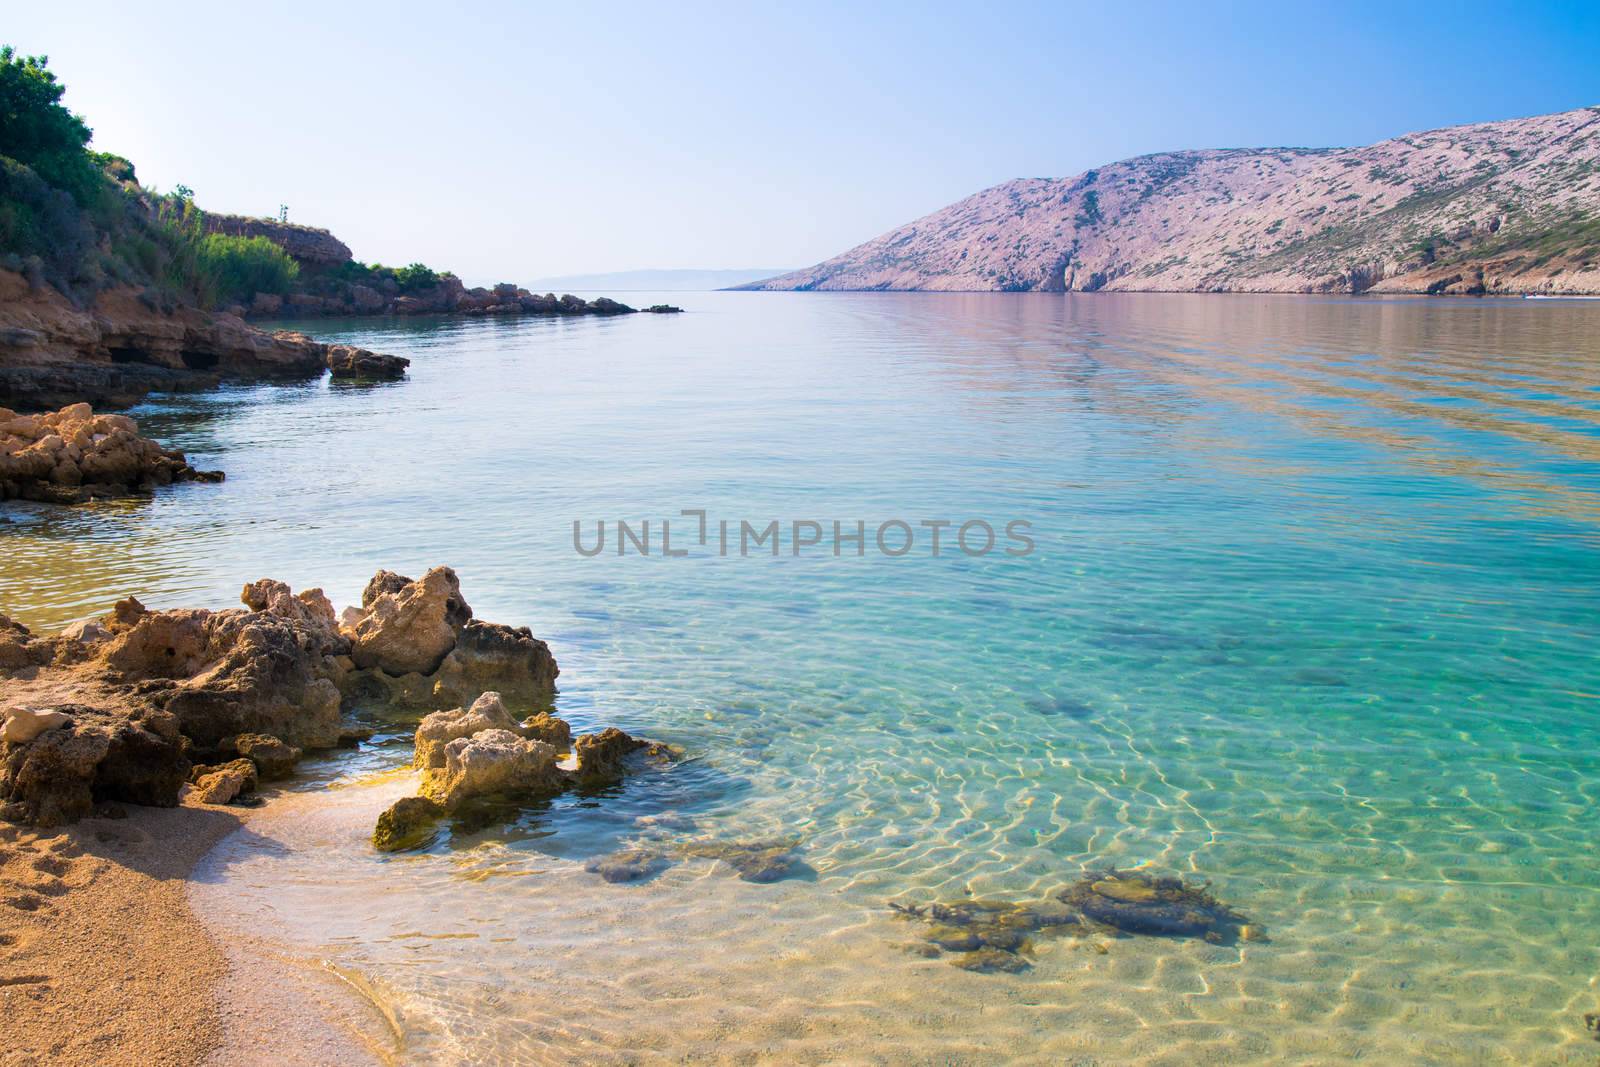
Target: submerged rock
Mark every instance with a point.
(1138, 903)
(407, 823)
(982, 932)
(73, 455)
(629, 865)
(755, 861)
(492, 762)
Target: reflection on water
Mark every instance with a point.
(1313, 615)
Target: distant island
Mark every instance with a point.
(661, 281)
(1497, 207)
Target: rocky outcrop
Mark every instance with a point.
(308, 245)
(1498, 207)
(73, 455)
(410, 629)
(260, 684)
(325, 295)
(601, 755)
(492, 762)
(129, 342)
(436, 731)
(224, 783)
(416, 642)
(348, 361)
(59, 775)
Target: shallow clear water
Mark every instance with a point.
(1313, 613)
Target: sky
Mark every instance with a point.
(511, 141)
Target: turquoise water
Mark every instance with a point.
(1312, 613)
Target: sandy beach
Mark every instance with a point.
(103, 961)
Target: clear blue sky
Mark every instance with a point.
(510, 141)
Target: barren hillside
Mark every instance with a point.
(1505, 207)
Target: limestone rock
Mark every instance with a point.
(492, 762)
(272, 758)
(58, 776)
(73, 455)
(407, 823)
(225, 783)
(547, 728)
(348, 361)
(24, 724)
(411, 629)
(489, 655)
(436, 731)
(601, 755)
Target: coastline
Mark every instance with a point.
(106, 962)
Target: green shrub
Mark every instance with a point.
(233, 269)
(416, 277)
(37, 131)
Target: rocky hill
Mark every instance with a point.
(1497, 207)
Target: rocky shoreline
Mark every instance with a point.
(132, 743)
(144, 707)
(73, 455)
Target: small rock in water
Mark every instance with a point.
(408, 823)
(1137, 903)
(1318, 676)
(629, 865)
(991, 961)
(225, 783)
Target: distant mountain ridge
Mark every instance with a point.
(1495, 207)
(659, 280)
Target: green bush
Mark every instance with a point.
(37, 131)
(233, 269)
(416, 277)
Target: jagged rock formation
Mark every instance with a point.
(122, 708)
(127, 343)
(483, 750)
(1497, 207)
(416, 643)
(73, 455)
(307, 244)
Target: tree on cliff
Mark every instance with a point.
(37, 131)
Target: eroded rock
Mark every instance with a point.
(59, 775)
(225, 783)
(492, 762)
(73, 455)
(272, 757)
(407, 823)
(413, 628)
(348, 361)
(436, 731)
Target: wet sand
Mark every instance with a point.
(102, 960)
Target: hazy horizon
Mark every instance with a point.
(549, 143)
